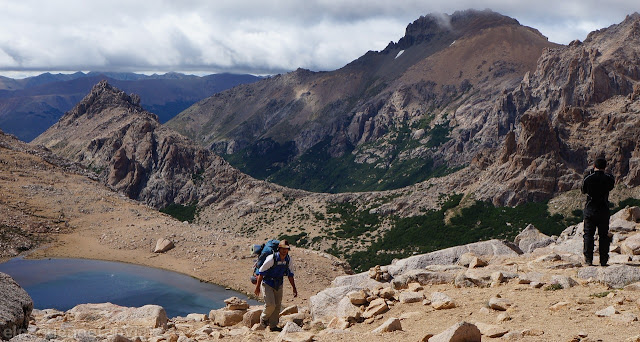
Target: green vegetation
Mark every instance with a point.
(181, 212)
(600, 294)
(429, 232)
(263, 158)
(296, 240)
(354, 222)
(629, 202)
(553, 287)
(316, 169)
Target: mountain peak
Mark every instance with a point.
(105, 95)
(436, 25)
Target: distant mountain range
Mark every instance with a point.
(29, 106)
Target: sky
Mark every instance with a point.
(260, 37)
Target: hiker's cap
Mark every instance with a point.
(284, 244)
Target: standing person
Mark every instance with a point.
(597, 185)
(271, 280)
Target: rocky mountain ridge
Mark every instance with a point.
(580, 103)
(384, 112)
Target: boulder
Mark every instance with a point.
(564, 281)
(531, 238)
(607, 312)
(148, 316)
(339, 323)
(251, 317)
(411, 297)
(460, 332)
(15, 308)
(163, 245)
(297, 318)
(451, 255)
(631, 245)
(235, 303)
(376, 307)
(441, 301)
(358, 297)
(530, 277)
(345, 309)
(491, 330)
(379, 273)
(323, 304)
(196, 317)
(153, 316)
(226, 318)
(615, 276)
(392, 324)
(290, 310)
(27, 338)
(422, 277)
(619, 225)
(498, 303)
(466, 259)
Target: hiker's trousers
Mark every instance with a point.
(601, 223)
(272, 305)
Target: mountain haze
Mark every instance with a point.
(29, 106)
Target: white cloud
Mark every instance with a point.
(247, 36)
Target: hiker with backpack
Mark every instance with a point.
(270, 280)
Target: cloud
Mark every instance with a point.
(247, 36)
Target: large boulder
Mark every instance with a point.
(460, 332)
(451, 255)
(531, 238)
(423, 277)
(15, 308)
(631, 245)
(323, 304)
(148, 316)
(615, 276)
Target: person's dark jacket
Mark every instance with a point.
(597, 185)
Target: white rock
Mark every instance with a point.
(631, 245)
(607, 312)
(392, 324)
(411, 297)
(461, 331)
(491, 330)
(498, 303)
(440, 301)
(163, 245)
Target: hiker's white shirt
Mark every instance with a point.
(268, 263)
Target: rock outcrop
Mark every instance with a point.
(132, 153)
(15, 308)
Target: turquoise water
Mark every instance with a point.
(64, 283)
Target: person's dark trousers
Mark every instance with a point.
(601, 222)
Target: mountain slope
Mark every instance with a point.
(35, 103)
(582, 102)
(376, 114)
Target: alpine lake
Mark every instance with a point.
(64, 283)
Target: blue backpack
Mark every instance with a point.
(263, 251)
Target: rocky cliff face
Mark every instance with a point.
(421, 101)
(580, 103)
(111, 134)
